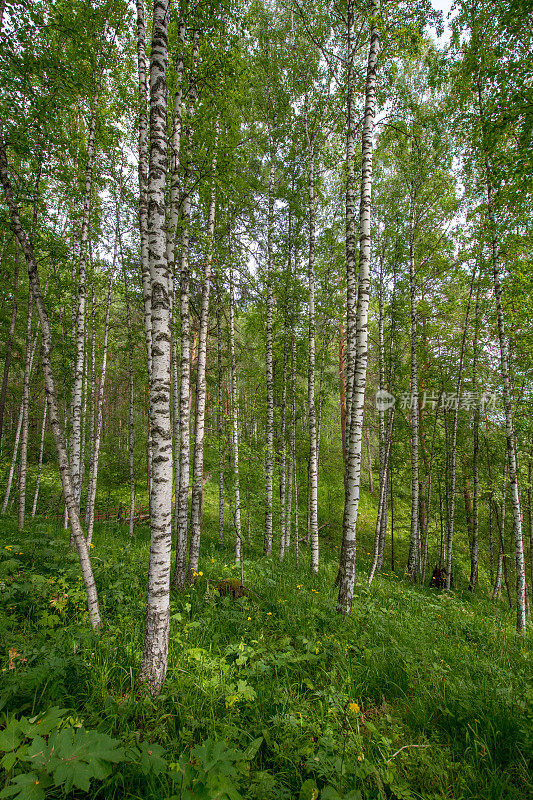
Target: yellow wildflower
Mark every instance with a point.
(91, 545)
(269, 613)
(8, 547)
(249, 618)
(200, 574)
(354, 708)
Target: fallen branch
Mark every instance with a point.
(404, 748)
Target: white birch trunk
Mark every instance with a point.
(79, 332)
(313, 467)
(351, 250)
(381, 504)
(269, 457)
(283, 444)
(40, 463)
(143, 202)
(235, 426)
(199, 421)
(413, 561)
(354, 439)
(156, 634)
(25, 417)
(182, 491)
(451, 513)
(93, 471)
(220, 427)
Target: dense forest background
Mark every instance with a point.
(266, 297)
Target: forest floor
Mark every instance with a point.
(417, 694)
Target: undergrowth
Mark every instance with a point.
(417, 694)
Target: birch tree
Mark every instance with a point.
(354, 438)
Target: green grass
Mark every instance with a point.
(418, 694)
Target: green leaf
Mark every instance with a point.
(252, 749)
(27, 786)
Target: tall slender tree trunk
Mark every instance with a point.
(475, 457)
(64, 467)
(182, 491)
(269, 458)
(354, 439)
(235, 425)
(497, 589)
(9, 343)
(504, 362)
(381, 504)
(313, 467)
(25, 416)
(156, 634)
(19, 429)
(350, 220)
(143, 207)
(40, 462)
(79, 328)
(283, 448)
(220, 420)
(413, 561)
(199, 422)
(451, 502)
(93, 471)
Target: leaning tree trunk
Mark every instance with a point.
(51, 393)
(269, 458)
(354, 438)
(199, 421)
(156, 634)
(25, 417)
(182, 490)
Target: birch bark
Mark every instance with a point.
(354, 437)
(313, 477)
(235, 425)
(156, 634)
(451, 512)
(25, 416)
(182, 491)
(413, 561)
(40, 462)
(269, 458)
(93, 471)
(9, 343)
(199, 422)
(351, 272)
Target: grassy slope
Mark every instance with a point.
(328, 700)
